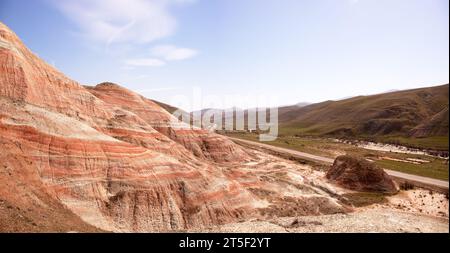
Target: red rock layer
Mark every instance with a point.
(101, 155)
(26, 203)
(201, 142)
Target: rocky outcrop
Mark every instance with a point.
(360, 175)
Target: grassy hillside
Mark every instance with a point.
(417, 117)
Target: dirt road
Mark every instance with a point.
(420, 181)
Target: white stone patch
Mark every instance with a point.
(56, 124)
(296, 177)
(9, 46)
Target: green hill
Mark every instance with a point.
(417, 117)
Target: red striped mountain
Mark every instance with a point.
(108, 155)
(80, 158)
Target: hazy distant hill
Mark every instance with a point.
(417, 117)
(410, 113)
(166, 107)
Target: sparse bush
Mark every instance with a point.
(405, 186)
(360, 199)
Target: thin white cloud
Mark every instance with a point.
(128, 67)
(158, 89)
(161, 54)
(172, 53)
(121, 21)
(145, 62)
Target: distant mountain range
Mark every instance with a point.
(416, 117)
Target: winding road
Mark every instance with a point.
(419, 181)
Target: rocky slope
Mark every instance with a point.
(200, 142)
(78, 158)
(107, 164)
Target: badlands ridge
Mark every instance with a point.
(103, 158)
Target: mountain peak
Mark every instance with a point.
(5, 30)
(9, 40)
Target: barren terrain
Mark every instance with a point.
(77, 158)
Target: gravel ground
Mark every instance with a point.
(366, 221)
(412, 211)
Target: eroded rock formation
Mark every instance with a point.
(105, 158)
(358, 174)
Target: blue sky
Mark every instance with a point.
(292, 50)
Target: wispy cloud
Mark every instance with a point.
(121, 21)
(145, 62)
(158, 89)
(128, 24)
(172, 53)
(161, 55)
